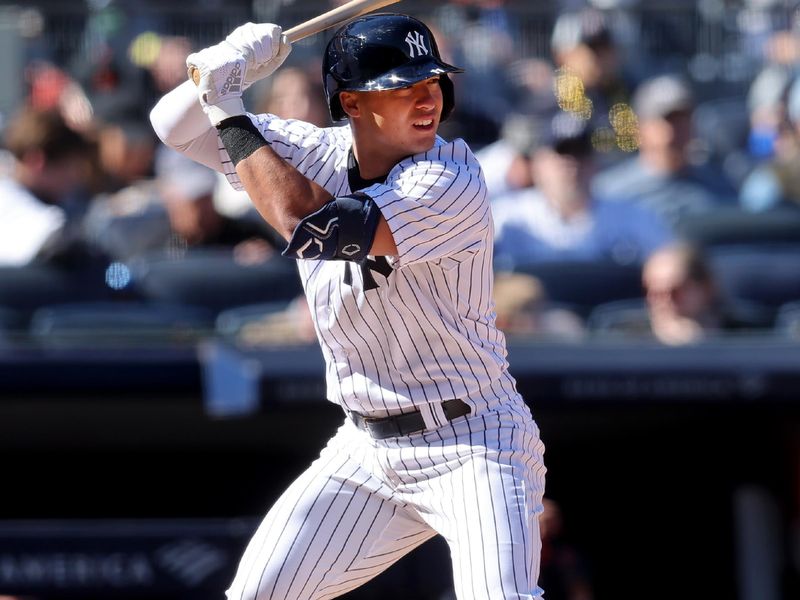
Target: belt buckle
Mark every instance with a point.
(369, 422)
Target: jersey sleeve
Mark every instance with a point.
(313, 151)
(436, 205)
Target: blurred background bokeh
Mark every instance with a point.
(160, 381)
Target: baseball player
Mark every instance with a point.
(392, 233)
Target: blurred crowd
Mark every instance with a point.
(643, 184)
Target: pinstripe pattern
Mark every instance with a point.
(428, 334)
(364, 504)
(425, 335)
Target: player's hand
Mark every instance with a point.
(222, 71)
(263, 46)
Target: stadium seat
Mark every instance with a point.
(12, 323)
(26, 288)
(119, 324)
(787, 321)
(629, 318)
(10, 318)
(619, 317)
(723, 124)
(764, 274)
(582, 285)
(230, 321)
(735, 226)
(213, 280)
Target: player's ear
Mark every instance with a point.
(350, 103)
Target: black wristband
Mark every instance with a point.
(240, 137)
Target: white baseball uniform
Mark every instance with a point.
(398, 334)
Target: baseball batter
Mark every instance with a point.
(392, 233)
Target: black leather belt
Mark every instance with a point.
(385, 427)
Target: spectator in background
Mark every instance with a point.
(775, 183)
(766, 35)
(125, 145)
(480, 36)
(168, 65)
(533, 81)
(125, 151)
(662, 177)
(766, 107)
(188, 196)
(522, 310)
(112, 59)
(293, 93)
(583, 45)
(173, 214)
(51, 88)
(683, 303)
(648, 41)
(560, 219)
(506, 162)
(43, 201)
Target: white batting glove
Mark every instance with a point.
(222, 71)
(263, 46)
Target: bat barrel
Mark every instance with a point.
(334, 17)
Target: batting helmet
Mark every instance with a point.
(383, 52)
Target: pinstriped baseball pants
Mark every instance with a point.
(364, 503)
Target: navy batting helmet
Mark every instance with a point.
(383, 52)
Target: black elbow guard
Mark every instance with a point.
(343, 229)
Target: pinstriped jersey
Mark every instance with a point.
(422, 329)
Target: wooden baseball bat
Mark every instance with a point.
(332, 18)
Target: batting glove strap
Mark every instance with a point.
(343, 229)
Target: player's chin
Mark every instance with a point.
(423, 138)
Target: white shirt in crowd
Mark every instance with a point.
(529, 229)
(26, 224)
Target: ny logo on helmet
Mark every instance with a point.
(416, 42)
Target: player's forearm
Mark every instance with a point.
(285, 198)
(279, 192)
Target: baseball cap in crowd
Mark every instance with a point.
(186, 178)
(566, 133)
(521, 132)
(587, 27)
(662, 95)
(768, 89)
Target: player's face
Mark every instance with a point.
(403, 120)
